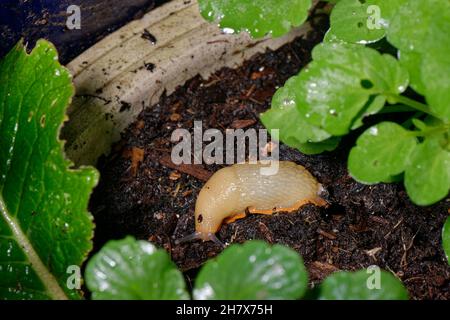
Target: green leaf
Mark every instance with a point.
(370, 284)
(350, 22)
(285, 117)
(412, 62)
(373, 106)
(257, 17)
(411, 24)
(381, 152)
(44, 225)
(252, 271)
(436, 65)
(427, 177)
(356, 21)
(446, 239)
(294, 130)
(335, 88)
(420, 31)
(317, 147)
(134, 270)
(419, 124)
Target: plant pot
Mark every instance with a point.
(129, 70)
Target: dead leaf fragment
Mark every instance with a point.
(241, 124)
(175, 117)
(174, 175)
(137, 156)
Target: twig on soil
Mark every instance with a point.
(379, 220)
(326, 234)
(266, 232)
(373, 252)
(177, 189)
(395, 227)
(403, 261)
(393, 272)
(234, 235)
(194, 170)
(242, 124)
(250, 91)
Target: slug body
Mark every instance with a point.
(234, 190)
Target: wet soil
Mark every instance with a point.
(142, 193)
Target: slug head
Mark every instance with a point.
(200, 236)
(217, 200)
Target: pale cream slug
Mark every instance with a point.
(232, 191)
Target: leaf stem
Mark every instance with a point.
(432, 131)
(412, 103)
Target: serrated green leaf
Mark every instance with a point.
(44, 224)
(381, 152)
(134, 270)
(362, 22)
(427, 177)
(446, 239)
(259, 18)
(420, 31)
(370, 284)
(337, 85)
(252, 271)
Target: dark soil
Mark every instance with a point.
(140, 192)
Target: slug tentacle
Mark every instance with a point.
(200, 236)
(232, 191)
(193, 236)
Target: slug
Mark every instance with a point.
(232, 191)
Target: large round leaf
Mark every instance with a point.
(381, 152)
(294, 130)
(349, 22)
(420, 28)
(254, 270)
(427, 178)
(356, 21)
(370, 284)
(336, 88)
(285, 117)
(258, 17)
(134, 270)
